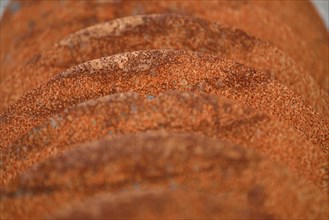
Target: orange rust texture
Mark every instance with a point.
(198, 113)
(147, 32)
(163, 109)
(270, 21)
(172, 70)
(186, 161)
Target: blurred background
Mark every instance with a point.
(323, 8)
(321, 5)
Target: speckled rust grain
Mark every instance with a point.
(156, 161)
(156, 32)
(202, 114)
(57, 101)
(305, 21)
(154, 72)
(161, 204)
(31, 34)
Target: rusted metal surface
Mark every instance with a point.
(174, 204)
(162, 32)
(32, 34)
(130, 113)
(156, 71)
(89, 117)
(155, 161)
